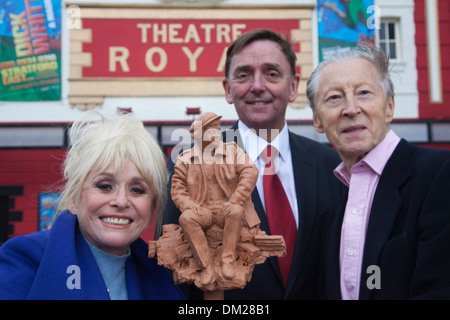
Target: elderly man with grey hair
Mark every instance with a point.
(389, 237)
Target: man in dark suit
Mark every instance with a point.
(390, 235)
(260, 80)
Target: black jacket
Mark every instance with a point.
(317, 189)
(408, 235)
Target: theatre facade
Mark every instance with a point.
(164, 62)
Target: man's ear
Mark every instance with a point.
(294, 87)
(390, 107)
(318, 122)
(226, 87)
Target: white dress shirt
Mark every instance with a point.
(254, 145)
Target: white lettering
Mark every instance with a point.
(206, 311)
(223, 32)
(144, 27)
(162, 59)
(192, 34)
(207, 27)
(237, 29)
(73, 20)
(374, 281)
(223, 60)
(118, 55)
(74, 281)
(192, 57)
(160, 33)
(373, 22)
(173, 33)
(178, 33)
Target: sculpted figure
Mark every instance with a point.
(217, 241)
(211, 185)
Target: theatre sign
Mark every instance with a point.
(169, 51)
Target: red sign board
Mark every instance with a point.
(167, 48)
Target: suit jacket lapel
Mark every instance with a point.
(305, 167)
(385, 207)
(67, 247)
(305, 183)
(333, 236)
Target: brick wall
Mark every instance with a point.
(34, 171)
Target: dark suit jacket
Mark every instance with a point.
(317, 189)
(408, 235)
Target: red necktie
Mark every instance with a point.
(278, 210)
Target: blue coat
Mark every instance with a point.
(53, 264)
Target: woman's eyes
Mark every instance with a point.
(108, 187)
(138, 190)
(104, 186)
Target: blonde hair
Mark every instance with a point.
(96, 144)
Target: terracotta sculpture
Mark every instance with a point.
(219, 241)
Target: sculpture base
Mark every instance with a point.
(254, 247)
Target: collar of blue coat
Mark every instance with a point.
(68, 270)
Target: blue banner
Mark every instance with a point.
(30, 50)
(343, 24)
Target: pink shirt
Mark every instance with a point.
(362, 183)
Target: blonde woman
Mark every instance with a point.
(115, 181)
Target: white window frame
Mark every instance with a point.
(388, 41)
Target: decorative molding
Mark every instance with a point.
(88, 92)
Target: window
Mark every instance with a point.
(388, 38)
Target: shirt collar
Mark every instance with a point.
(254, 144)
(376, 159)
(379, 156)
